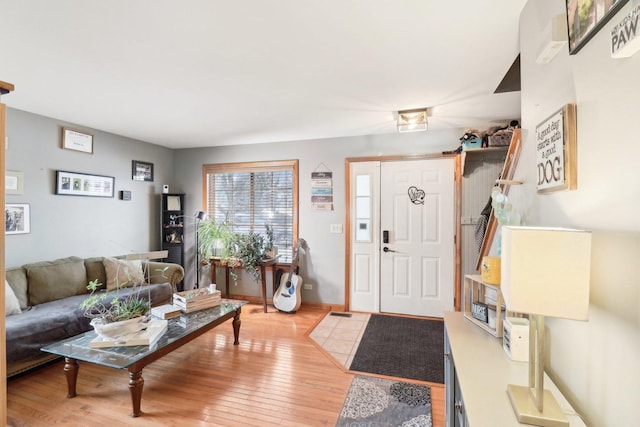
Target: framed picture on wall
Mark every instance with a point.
(83, 184)
(73, 139)
(556, 151)
(13, 182)
(141, 171)
(17, 218)
(586, 17)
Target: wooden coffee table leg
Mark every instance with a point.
(135, 387)
(236, 327)
(71, 372)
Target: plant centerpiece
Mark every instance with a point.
(112, 311)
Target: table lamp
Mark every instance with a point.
(544, 272)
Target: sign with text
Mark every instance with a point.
(555, 151)
(625, 36)
(322, 191)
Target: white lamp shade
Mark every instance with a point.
(546, 271)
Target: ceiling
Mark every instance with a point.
(198, 73)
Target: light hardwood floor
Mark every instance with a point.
(277, 376)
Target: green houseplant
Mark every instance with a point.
(235, 249)
(109, 309)
(214, 238)
(247, 250)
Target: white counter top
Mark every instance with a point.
(484, 370)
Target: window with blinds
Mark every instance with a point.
(250, 195)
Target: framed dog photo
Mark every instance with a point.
(17, 218)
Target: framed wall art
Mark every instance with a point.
(82, 184)
(586, 17)
(556, 151)
(17, 218)
(13, 182)
(73, 139)
(141, 171)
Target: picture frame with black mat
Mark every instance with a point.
(141, 171)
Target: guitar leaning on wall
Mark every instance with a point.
(287, 296)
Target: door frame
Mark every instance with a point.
(457, 217)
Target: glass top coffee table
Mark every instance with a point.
(180, 331)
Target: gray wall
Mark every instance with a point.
(595, 363)
(323, 265)
(84, 226)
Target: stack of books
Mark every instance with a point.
(166, 311)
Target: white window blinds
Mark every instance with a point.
(250, 195)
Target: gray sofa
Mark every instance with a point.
(50, 293)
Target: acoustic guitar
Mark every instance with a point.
(287, 296)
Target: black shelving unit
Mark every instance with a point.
(172, 228)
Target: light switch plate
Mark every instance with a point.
(335, 228)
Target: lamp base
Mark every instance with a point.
(525, 408)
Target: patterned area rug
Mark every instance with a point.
(385, 403)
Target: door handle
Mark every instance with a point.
(386, 249)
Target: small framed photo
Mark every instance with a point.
(73, 139)
(82, 184)
(17, 218)
(13, 182)
(173, 203)
(141, 171)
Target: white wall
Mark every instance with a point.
(62, 226)
(323, 266)
(596, 362)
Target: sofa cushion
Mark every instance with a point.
(122, 273)
(95, 271)
(11, 303)
(17, 278)
(52, 280)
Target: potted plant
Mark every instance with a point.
(214, 238)
(247, 251)
(270, 249)
(112, 314)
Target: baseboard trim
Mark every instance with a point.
(311, 305)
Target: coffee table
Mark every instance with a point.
(180, 331)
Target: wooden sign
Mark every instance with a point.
(556, 151)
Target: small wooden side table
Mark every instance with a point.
(215, 262)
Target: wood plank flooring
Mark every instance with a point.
(277, 376)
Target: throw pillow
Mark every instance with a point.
(122, 273)
(12, 306)
(53, 280)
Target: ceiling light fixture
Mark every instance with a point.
(412, 120)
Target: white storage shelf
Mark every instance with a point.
(476, 291)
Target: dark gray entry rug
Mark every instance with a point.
(402, 347)
(385, 403)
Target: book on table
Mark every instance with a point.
(166, 311)
(148, 336)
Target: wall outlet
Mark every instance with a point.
(307, 286)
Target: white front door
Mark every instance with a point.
(417, 228)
